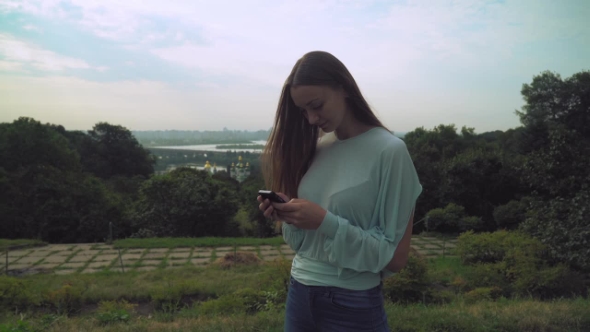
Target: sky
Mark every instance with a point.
(209, 65)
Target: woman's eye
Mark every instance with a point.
(318, 107)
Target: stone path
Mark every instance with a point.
(91, 258)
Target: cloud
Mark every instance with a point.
(30, 27)
(17, 51)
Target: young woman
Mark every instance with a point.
(350, 198)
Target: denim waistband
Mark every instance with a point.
(332, 289)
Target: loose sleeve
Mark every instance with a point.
(351, 247)
(293, 236)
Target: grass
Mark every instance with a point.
(20, 242)
(196, 242)
(246, 298)
(507, 316)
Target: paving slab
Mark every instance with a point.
(54, 259)
(14, 259)
(99, 264)
(204, 249)
(181, 250)
(135, 251)
(270, 258)
(200, 261)
(103, 248)
(91, 270)
(201, 254)
(61, 272)
(63, 253)
(109, 252)
(150, 262)
(431, 246)
(224, 249)
(59, 247)
(29, 260)
(269, 252)
(39, 253)
(18, 266)
(179, 255)
(145, 268)
(87, 253)
(46, 266)
(289, 257)
(159, 250)
(177, 262)
(78, 259)
(247, 248)
(105, 258)
(266, 247)
(71, 265)
(154, 255)
(16, 253)
(127, 257)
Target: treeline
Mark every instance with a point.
(534, 178)
(190, 137)
(66, 186)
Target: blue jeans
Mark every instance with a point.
(315, 308)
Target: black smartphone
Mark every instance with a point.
(271, 195)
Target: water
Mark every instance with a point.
(210, 147)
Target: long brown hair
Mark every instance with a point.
(292, 142)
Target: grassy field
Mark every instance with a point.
(245, 298)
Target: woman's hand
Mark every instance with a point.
(300, 213)
(266, 207)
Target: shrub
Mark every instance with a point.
(411, 284)
(452, 219)
(109, 312)
(482, 294)
(66, 299)
(15, 294)
(511, 214)
(517, 264)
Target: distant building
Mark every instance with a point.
(212, 169)
(240, 171)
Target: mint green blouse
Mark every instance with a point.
(369, 186)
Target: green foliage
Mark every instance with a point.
(511, 214)
(15, 294)
(109, 312)
(482, 293)
(517, 264)
(184, 202)
(452, 219)
(65, 299)
(564, 226)
(411, 284)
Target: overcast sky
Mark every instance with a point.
(206, 65)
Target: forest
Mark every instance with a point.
(63, 186)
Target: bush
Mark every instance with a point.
(411, 284)
(517, 264)
(109, 312)
(482, 294)
(452, 219)
(16, 294)
(511, 214)
(564, 226)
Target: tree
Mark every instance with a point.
(112, 150)
(185, 202)
(556, 121)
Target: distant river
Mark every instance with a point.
(212, 147)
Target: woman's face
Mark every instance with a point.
(322, 106)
